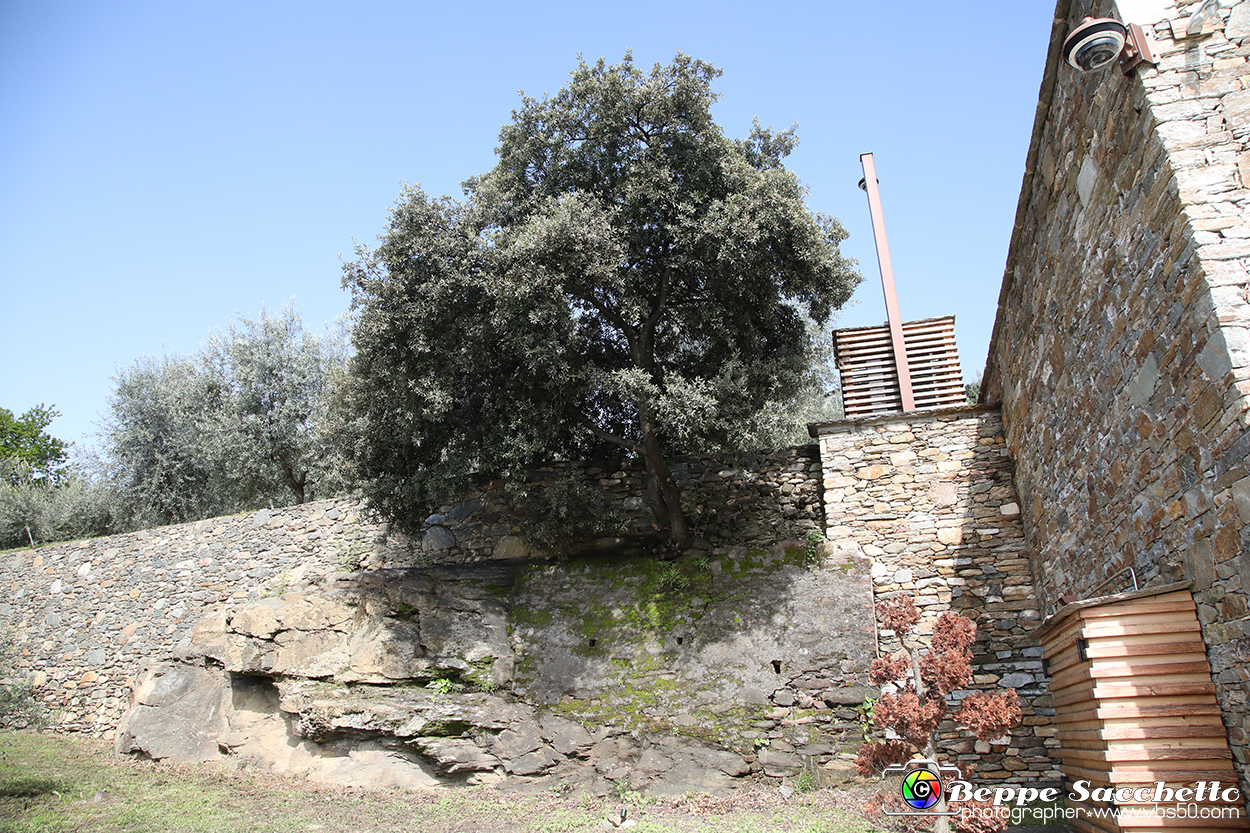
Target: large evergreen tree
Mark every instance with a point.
(626, 277)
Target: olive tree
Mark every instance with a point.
(271, 429)
(152, 440)
(33, 510)
(245, 422)
(626, 279)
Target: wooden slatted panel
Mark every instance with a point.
(865, 358)
(937, 381)
(1134, 704)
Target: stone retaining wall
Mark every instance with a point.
(90, 615)
(928, 497)
(755, 500)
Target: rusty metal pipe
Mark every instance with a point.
(897, 341)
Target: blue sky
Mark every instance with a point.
(165, 166)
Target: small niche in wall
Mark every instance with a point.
(777, 666)
(594, 642)
(679, 640)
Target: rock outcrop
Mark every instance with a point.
(668, 678)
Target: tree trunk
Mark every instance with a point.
(663, 495)
(941, 824)
(296, 485)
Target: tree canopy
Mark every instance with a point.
(250, 420)
(27, 446)
(626, 279)
(272, 429)
(44, 496)
(245, 422)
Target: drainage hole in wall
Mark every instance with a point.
(679, 640)
(776, 666)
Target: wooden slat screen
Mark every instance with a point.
(865, 359)
(1135, 705)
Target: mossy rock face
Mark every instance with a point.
(697, 647)
(675, 676)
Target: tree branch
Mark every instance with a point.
(604, 435)
(648, 327)
(614, 318)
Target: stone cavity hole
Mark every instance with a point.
(776, 666)
(594, 642)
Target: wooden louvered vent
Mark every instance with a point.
(1134, 707)
(870, 380)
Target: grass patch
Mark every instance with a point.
(27, 787)
(67, 784)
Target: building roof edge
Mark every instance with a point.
(1058, 31)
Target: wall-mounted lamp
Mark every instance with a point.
(1198, 23)
(1098, 41)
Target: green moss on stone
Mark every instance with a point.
(625, 609)
(446, 729)
(479, 674)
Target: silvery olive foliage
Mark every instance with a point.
(35, 510)
(248, 421)
(625, 280)
(273, 429)
(46, 491)
(152, 441)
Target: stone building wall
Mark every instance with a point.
(928, 497)
(1121, 352)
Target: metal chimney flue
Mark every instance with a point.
(897, 342)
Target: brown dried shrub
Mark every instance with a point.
(898, 615)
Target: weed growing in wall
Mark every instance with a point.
(18, 706)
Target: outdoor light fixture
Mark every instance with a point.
(1199, 21)
(1098, 41)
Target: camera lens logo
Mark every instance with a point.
(921, 789)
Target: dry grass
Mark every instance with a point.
(61, 784)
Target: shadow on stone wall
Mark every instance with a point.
(754, 500)
(667, 676)
(929, 498)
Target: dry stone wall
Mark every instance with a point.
(753, 500)
(1121, 353)
(88, 615)
(929, 499)
(243, 637)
